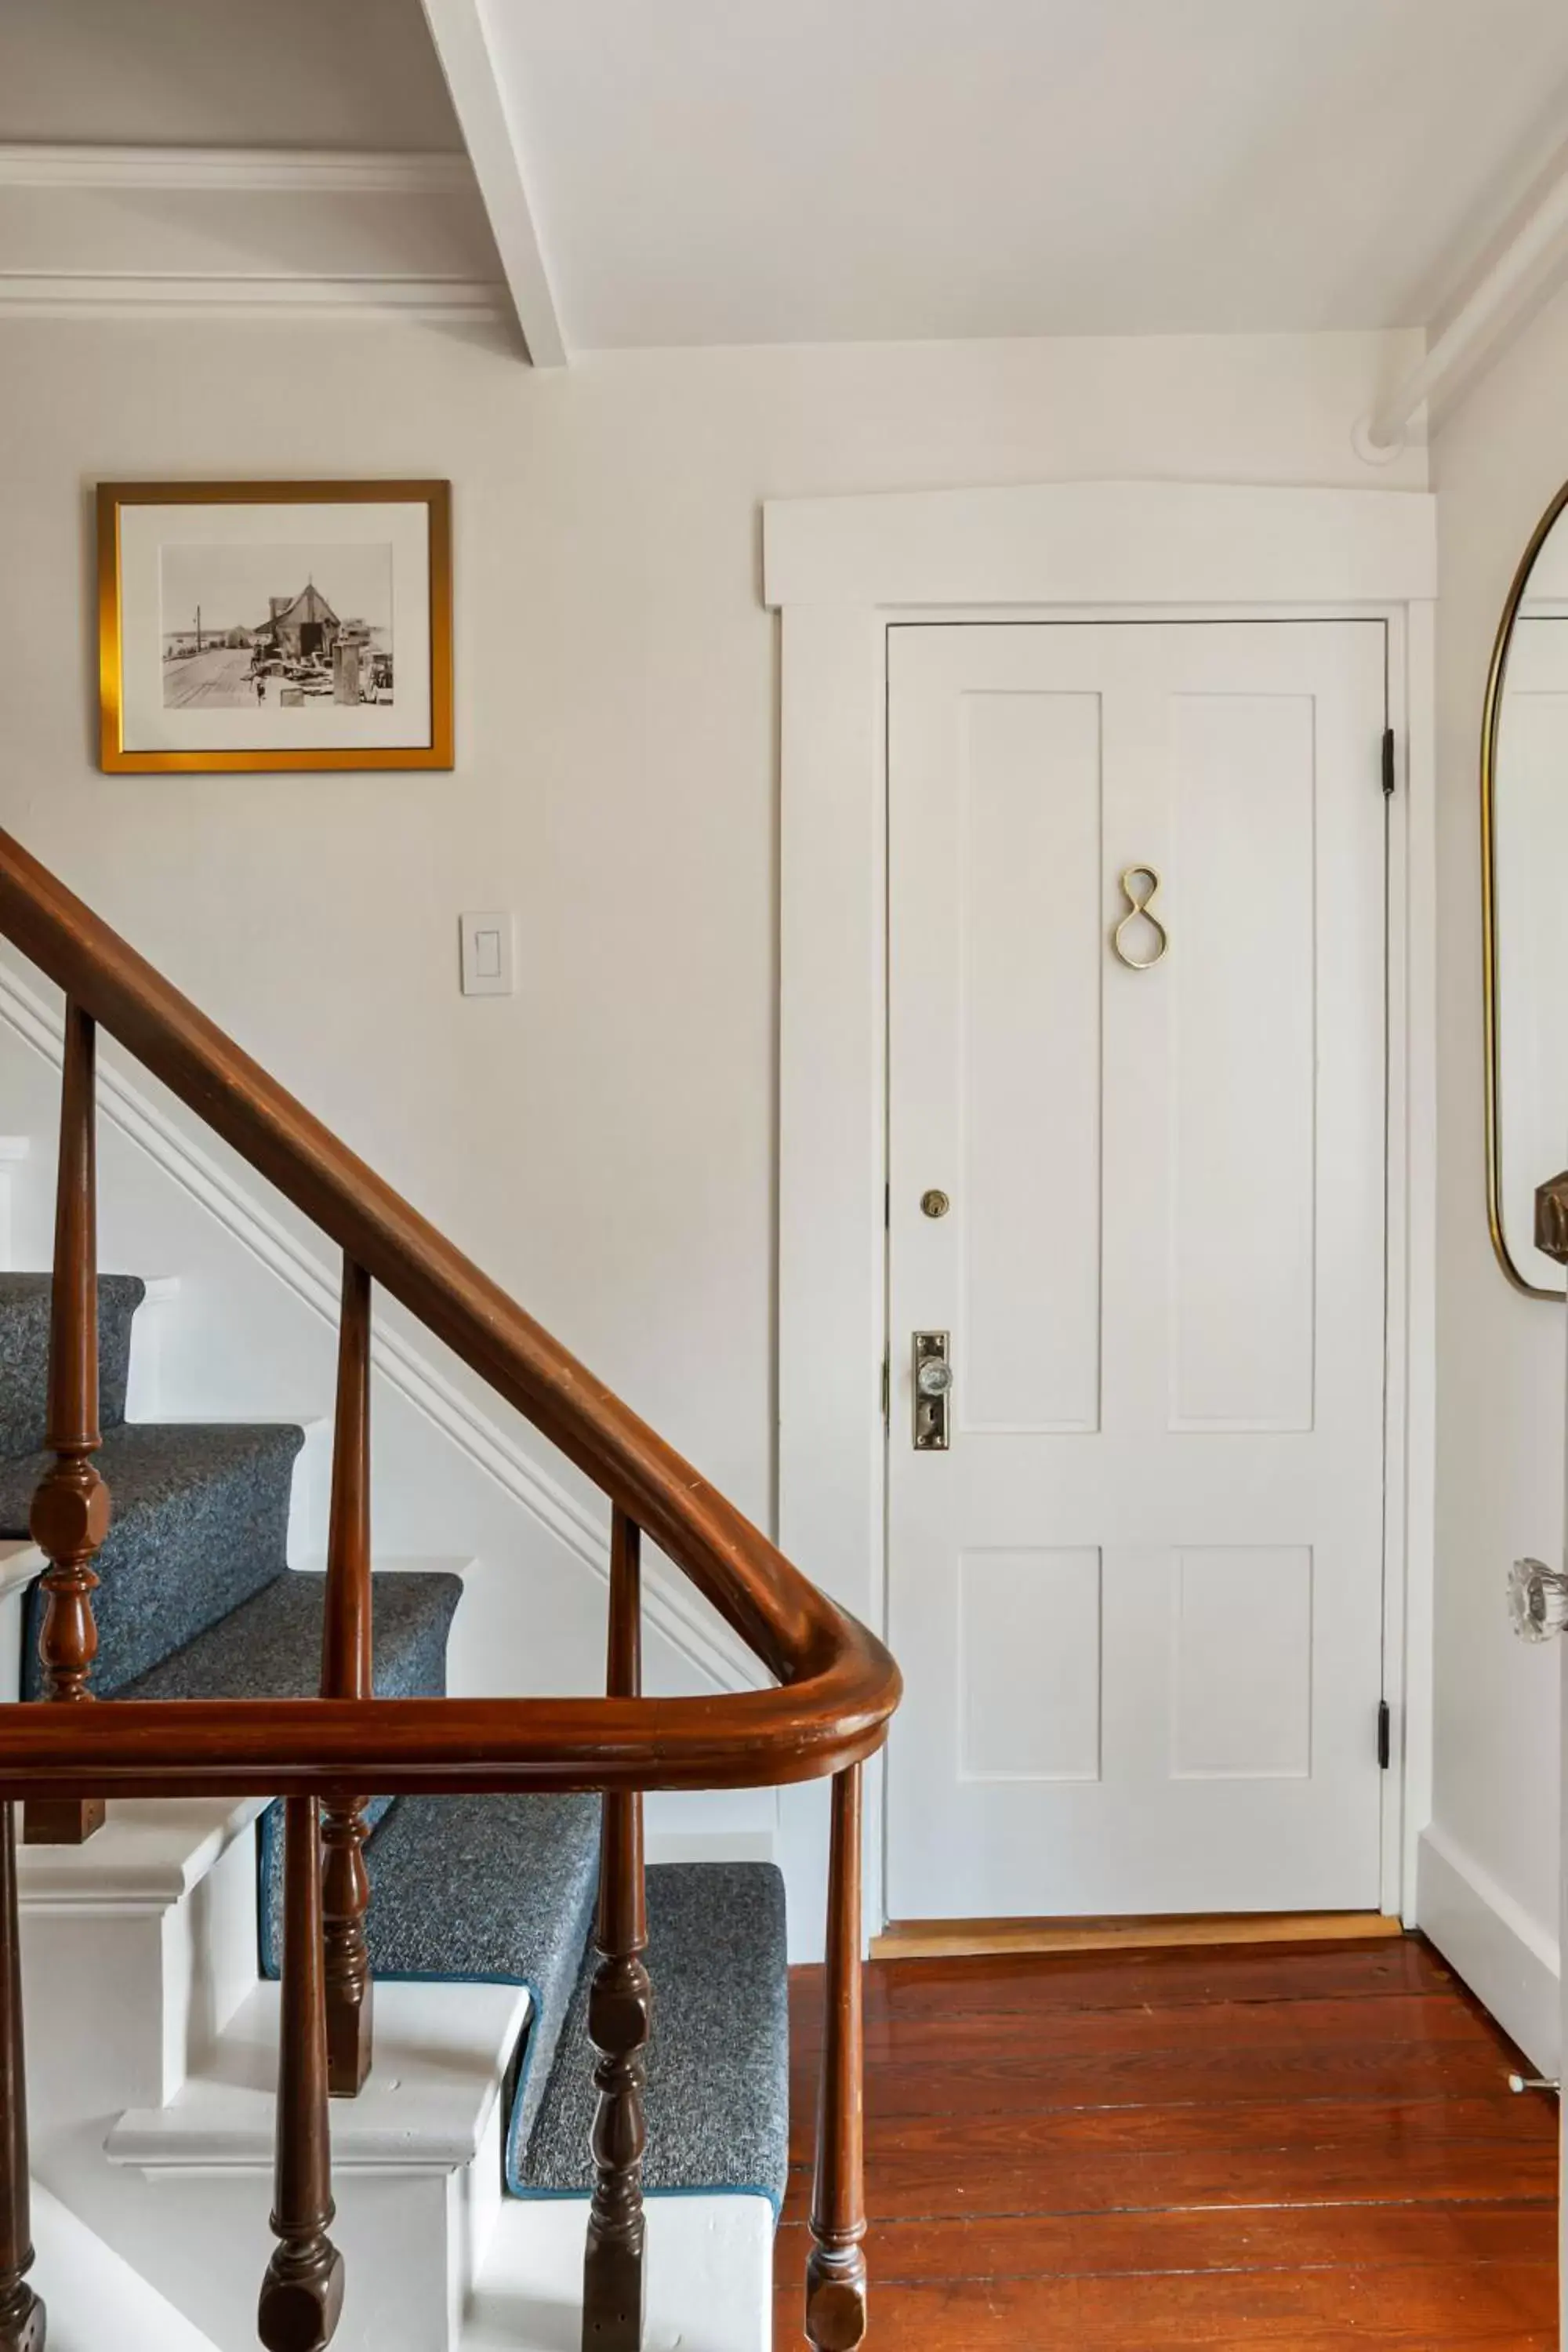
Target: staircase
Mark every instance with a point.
(525, 2032)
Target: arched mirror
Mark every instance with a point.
(1525, 870)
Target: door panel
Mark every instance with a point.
(1028, 1048)
(1138, 1602)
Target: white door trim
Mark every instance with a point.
(840, 572)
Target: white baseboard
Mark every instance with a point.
(1510, 1962)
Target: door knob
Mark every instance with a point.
(1537, 1599)
(933, 1388)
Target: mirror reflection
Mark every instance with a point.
(1525, 804)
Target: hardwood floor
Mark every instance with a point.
(1298, 2149)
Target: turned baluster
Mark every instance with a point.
(835, 2270)
(71, 1509)
(346, 1669)
(620, 2008)
(302, 2293)
(21, 2313)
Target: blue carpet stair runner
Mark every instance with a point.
(197, 1600)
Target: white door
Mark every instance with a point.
(1138, 1600)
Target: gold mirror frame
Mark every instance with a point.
(1491, 718)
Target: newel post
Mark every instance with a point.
(346, 1672)
(70, 1510)
(835, 2271)
(620, 2009)
(302, 2293)
(22, 2325)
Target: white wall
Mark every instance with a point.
(604, 1142)
(1489, 1867)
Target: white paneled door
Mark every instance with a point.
(1138, 1599)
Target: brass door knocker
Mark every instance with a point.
(1140, 887)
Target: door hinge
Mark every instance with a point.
(886, 1205)
(1384, 1735)
(1388, 763)
(887, 1388)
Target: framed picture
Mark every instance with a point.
(274, 625)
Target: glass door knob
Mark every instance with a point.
(1537, 1599)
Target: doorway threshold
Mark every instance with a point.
(955, 1939)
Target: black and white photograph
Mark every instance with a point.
(256, 627)
(270, 626)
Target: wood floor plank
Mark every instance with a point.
(1009, 1987)
(1120, 2244)
(1141, 2079)
(1432, 2019)
(1292, 2150)
(1430, 2310)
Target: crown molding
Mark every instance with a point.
(279, 171)
(47, 294)
(671, 1604)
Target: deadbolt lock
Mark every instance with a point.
(934, 1203)
(934, 1391)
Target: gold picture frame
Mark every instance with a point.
(1491, 1021)
(142, 731)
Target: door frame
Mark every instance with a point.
(840, 572)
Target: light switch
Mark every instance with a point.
(486, 957)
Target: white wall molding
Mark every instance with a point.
(39, 293)
(1510, 1963)
(1089, 544)
(672, 1607)
(279, 171)
(462, 43)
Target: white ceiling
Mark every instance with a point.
(680, 172)
(772, 171)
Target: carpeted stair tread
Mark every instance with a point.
(24, 1354)
(496, 1890)
(271, 1647)
(200, 1523)
(717, 2060)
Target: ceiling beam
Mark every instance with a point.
(1477, 329)
(458, 30)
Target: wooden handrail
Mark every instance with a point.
(428, 1747)
(839, 1670)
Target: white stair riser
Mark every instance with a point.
(126, 1992)
(411, 2243)
(710, 2277)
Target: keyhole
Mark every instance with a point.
(1139, 887)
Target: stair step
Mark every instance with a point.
(416, 2174)
(200, 1524)
(489, 1890)
(24, 1354)
(717, 2060)
(270, 1646)
(440, 2054)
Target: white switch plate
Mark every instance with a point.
(487, 956)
